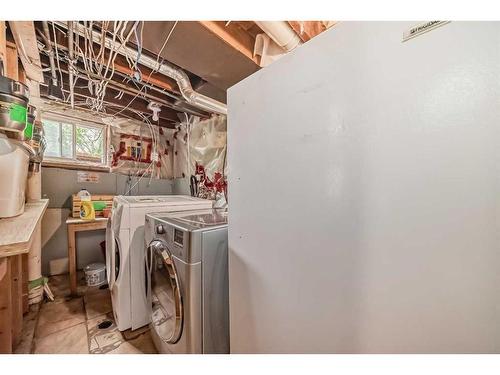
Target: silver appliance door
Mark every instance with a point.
(167, 306)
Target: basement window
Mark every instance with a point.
(74, 142)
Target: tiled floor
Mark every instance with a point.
(76, 325)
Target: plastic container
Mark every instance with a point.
(87, 211)
(84, 195)
(95, 274)
(14, 161)
(13, 104)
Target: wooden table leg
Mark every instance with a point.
(17, 298)
(72, 259)
(25, 290)
(5, 307)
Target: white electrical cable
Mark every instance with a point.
(102, 68)
(153, 70)
(139, 180)
(188, 129)
(57, 59)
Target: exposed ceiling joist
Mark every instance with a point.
(26, 43)
(167, 117)
(234, 35)
(307, 30)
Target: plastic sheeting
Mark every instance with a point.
(133, 146)
(200, 151)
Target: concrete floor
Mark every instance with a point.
(79, 325)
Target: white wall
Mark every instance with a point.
(365, 194)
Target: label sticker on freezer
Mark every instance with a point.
(422, 28)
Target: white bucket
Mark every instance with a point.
(95, 274)
(14, 162)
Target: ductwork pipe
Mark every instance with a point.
(188, 93)
(281, 33)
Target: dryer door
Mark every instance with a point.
(167, 312)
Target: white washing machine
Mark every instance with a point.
(125, 265)
(187, 257)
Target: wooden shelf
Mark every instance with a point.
(16, 233)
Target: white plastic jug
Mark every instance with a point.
(14, 162)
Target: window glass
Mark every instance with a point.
(67, 140)
(52, 136)
(89, 143)
(74, 142)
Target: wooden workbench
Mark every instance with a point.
(79, 225)
(16, 233)
(16, 236)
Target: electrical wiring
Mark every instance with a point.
(123, 42)
(188, 128)
(139, 46)
(154, 141)
(99, 69)
(91, 62)
(153, 70)
(162, 48)
(100, 65)
(139, 180)
(57, 59)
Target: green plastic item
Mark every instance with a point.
(34, 283)
(28, 131)
(18, 113)
(99, 205)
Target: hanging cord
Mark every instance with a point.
(152, 71)
(188, 151)
(57, 59)
(140, 178)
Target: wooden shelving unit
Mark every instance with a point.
(15, 242)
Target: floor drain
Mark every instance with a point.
(105, 324)
(102, 287)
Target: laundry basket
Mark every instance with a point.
(95, 274)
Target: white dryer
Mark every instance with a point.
(125, 265)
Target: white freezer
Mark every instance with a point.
(365, 194)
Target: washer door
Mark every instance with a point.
(167, 310)
(110, 251)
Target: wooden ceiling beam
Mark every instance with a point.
(26, 43)
(307, 30)
(234, 36)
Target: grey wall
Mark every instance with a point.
(181, 186)
(58, 185)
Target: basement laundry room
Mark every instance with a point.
(174, 186)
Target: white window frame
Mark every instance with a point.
(73, 162)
